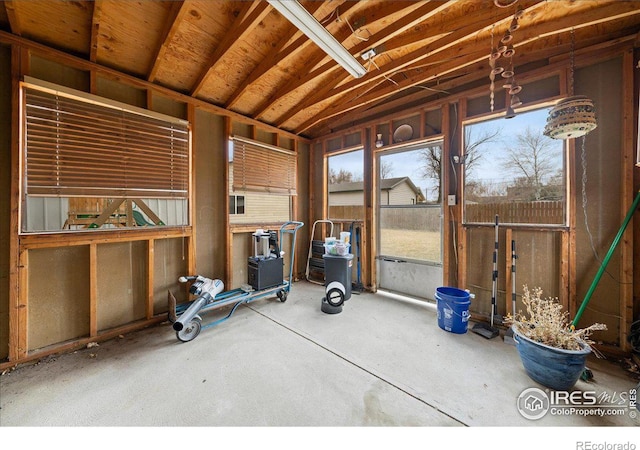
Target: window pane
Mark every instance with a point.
(255, 207)
(240, 204)
(346, 186)
(232, 204)
(511, 169)
(409, 190)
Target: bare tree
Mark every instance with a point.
(533, 160)
(386, 170)
(342, 176)
(472, 145)
(431, 160)
(431, 157)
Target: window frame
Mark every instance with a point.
(80, 142)
(567, 168)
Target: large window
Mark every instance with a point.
(409, 198)
(91, 163)
(346, 185)
(511, 169)
(262, 179)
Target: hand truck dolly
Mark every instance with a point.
(185, 317)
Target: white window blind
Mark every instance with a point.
(262, 167)
(77, 146)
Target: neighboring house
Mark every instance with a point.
(393, 191)
(256, 207)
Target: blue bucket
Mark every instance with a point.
(453, 309)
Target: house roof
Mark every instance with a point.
(385, 184)
(248, 59)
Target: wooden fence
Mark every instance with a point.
(407, 217)
(533, 212)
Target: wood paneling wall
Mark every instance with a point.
(559, 260)
(60, 291)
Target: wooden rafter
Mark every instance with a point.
(174, 19)
(14, 21)
(250, 15)
(452, 40)
(463, 57)
(407, 20)
(312, 60)
(278, 54)
(95, 29)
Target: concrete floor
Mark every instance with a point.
(381, 362)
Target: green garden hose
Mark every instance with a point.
(603, 266)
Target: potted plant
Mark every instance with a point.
(552, 352)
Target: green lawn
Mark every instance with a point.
(422, 245)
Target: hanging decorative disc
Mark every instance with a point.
(515, 88)
(572, 117)
(509, 73)
(509, 52)
(403, 133)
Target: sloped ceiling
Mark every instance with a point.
(245, 57)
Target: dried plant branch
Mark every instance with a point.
(548, 324)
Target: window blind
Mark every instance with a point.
(262, 167)
(78, 147)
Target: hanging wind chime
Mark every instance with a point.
(505, 50)
(573, 116)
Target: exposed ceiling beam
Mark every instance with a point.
(340, 35)
(12, 15)
(278, 54)
(547, 48)
(95, 29)
(251, 14)
(482, 21)
(387, 70)
(176, 14)
(409, 18)
(580, 19)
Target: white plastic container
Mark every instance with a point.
(337, 248)
(345, 237)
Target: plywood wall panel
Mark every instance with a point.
(120, 92)
(122, 275)
(210, 192)
(242, 246)
(58, 295)
(48, 70)
(170, 263)
(603, 148)
(538, 264)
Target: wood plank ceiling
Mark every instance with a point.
(246, 57)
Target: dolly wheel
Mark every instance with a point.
(282, 295)
(190, 332)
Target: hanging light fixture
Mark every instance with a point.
(573, 116)
(295, 13)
